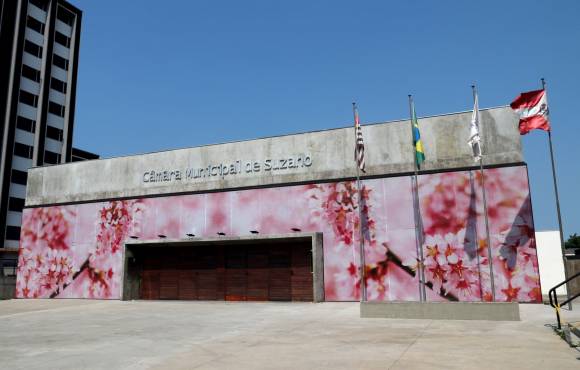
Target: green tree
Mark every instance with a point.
(573, 241)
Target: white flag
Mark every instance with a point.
(359, 148)
(474, 139)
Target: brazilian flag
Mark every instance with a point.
(417, 143)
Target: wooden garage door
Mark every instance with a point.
(276, 272)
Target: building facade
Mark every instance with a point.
(39, 40)
(278, 219)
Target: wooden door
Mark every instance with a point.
(279, 279)
(302, 289)
(187, 276)
(258, 273)
(150, 284)
(277, 272)
(150, 276)
(206, 269)
(235, 273)
(168, 275)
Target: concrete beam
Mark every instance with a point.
(302, 158)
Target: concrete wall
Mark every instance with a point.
(388, 151)
(573, 269)
(7, 287)
(550, 261)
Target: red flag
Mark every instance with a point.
(532, 106)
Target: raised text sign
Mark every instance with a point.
(222, 170)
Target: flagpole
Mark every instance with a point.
(363, 287)
(471, 181)
(416, 210)
(562, 243)
(488, 239)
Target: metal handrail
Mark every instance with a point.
(554, 302)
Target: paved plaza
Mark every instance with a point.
(83, 334)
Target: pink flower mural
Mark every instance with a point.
(454, 224)
(76, 251)
(45, 259)
(49, 265)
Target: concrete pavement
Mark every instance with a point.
(81, 334)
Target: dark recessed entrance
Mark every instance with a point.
(244, 271)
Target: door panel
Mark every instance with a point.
(168, 275)
(258, 273)
(150, 276)
(150, 284)
(301, 273)
(187, 283)
(279, 279)
(168, 283)
(236, 278)
(206, 263)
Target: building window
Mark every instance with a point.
(35, 25)
(58, 85)
(51, 157)
(56, 109)
(32, 48)
(12, 233)
(15, 204)
(66, 16)
(25, 124)
(31, 73)
(62, 39)
(59, 61)
(28, 98)
(19, 177)
(38, 3)
(54, 133)
(23, 150)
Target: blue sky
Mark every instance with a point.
(157, 75)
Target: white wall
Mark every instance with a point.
(550, 260)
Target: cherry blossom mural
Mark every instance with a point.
(456, 255)
(77, 251)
